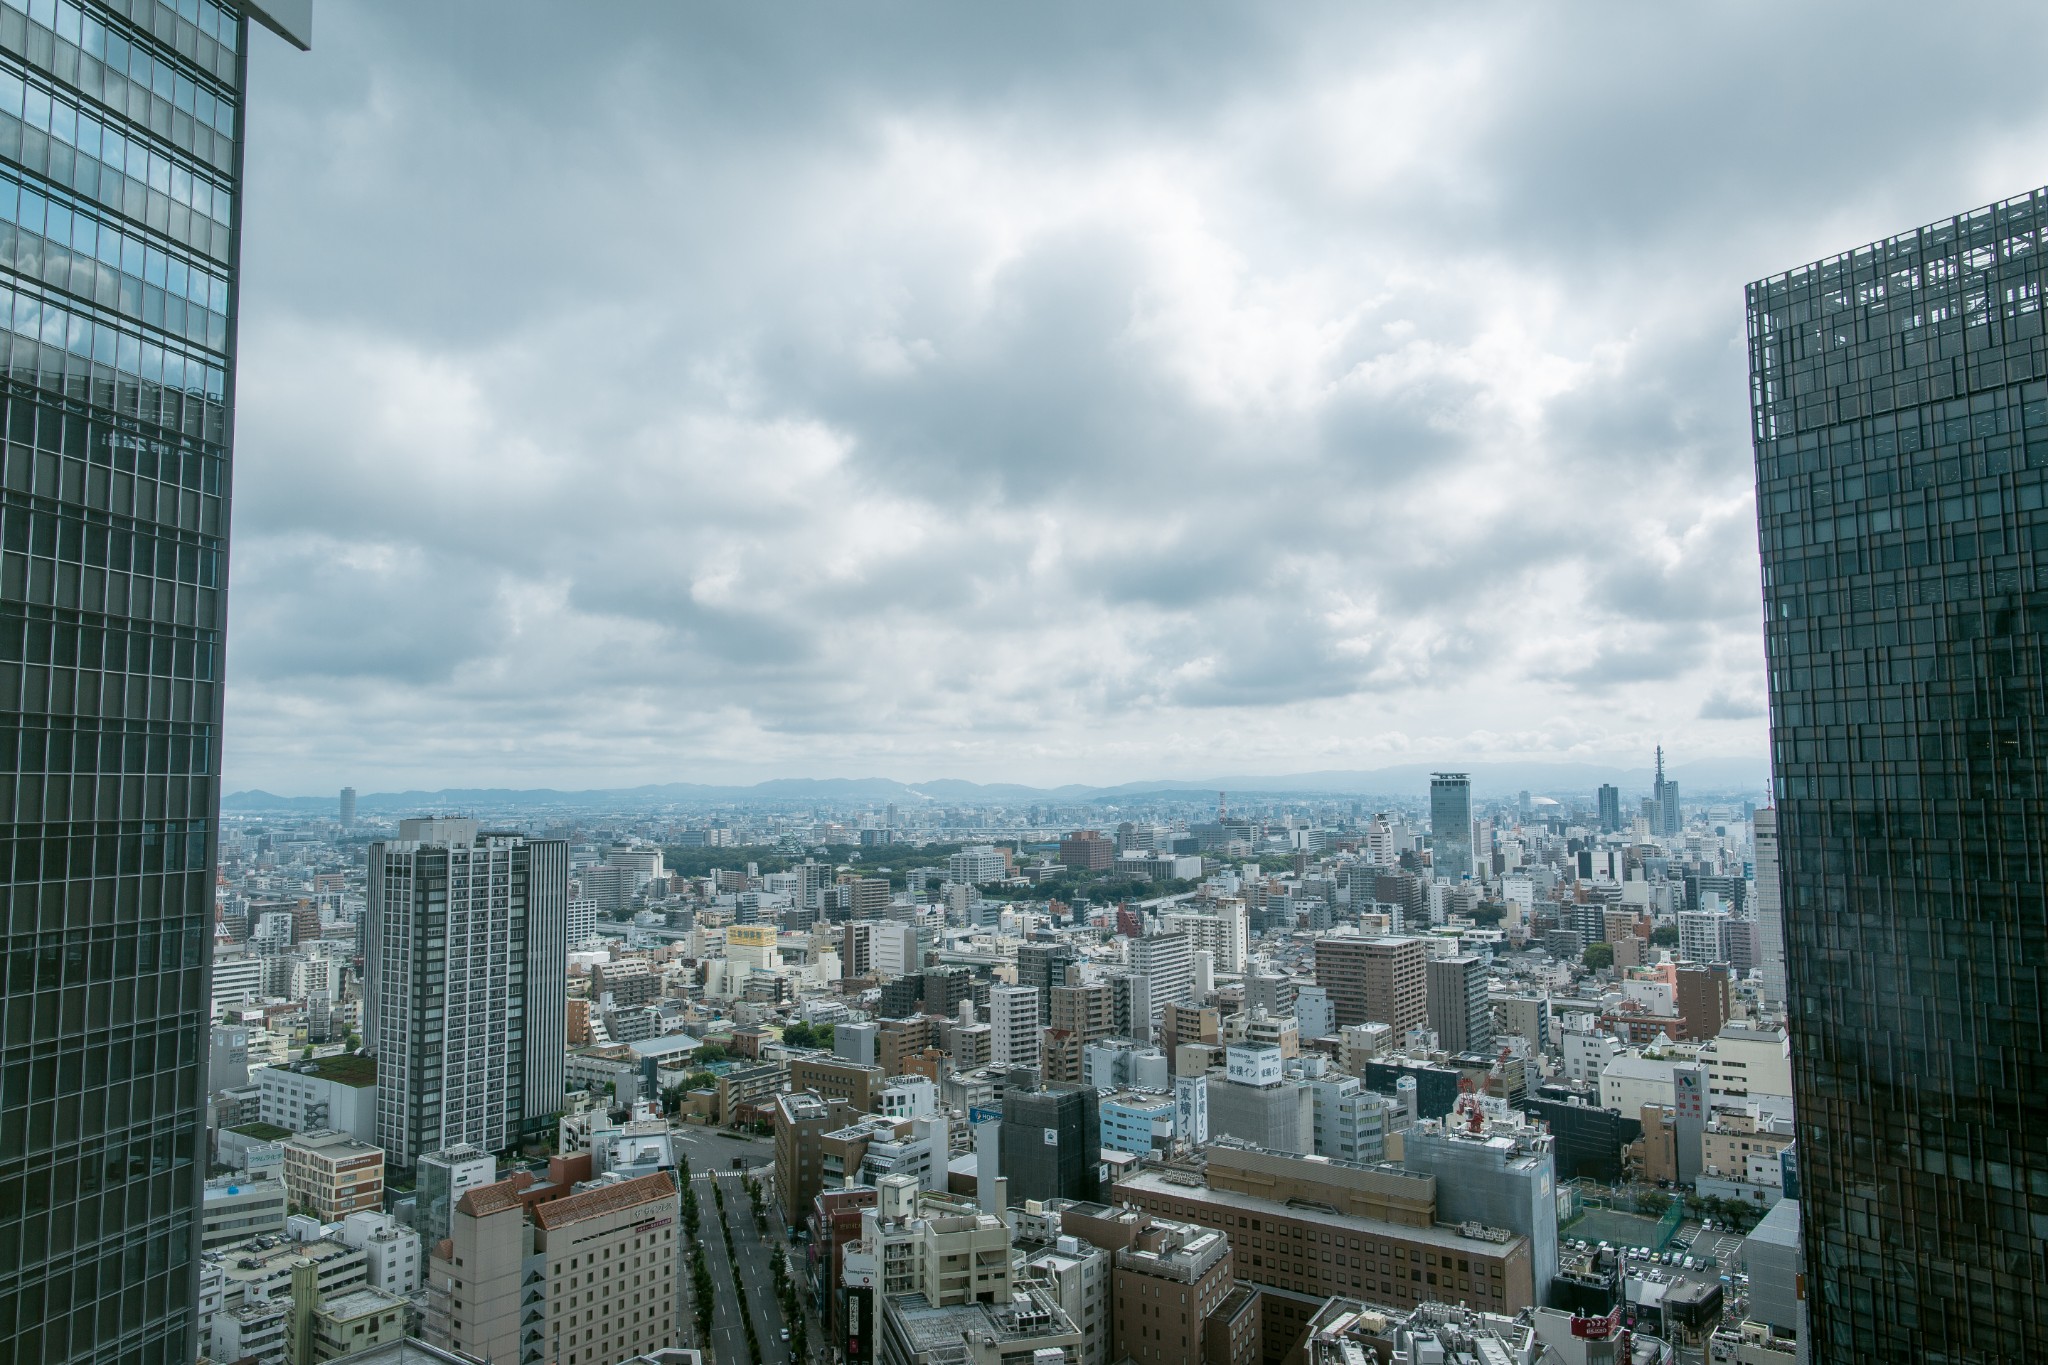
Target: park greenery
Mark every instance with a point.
(801, 1034)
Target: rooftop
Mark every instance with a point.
(1443, 1237)
(482, 1200)
(1031, 1313)
(1779, 1227)
(262, 1132)
(343, 1068)
(361, 1303)
(408, 1352)
(595, 1203)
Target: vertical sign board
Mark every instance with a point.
(860, 1325)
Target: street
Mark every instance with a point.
(714, 1148)
(728, 1344)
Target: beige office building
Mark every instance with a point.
(330, 1175)
(605, 1266)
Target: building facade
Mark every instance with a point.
(1770, 917)
(1051, 1143)
(1450, 825)
(1375, 980)
(465, 962)
(590, 1281)
(120, 132)
(1900, 417)
(1013, 1024)
(1459, 1010)
(330, 1175)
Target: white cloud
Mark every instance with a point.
(1044, 396)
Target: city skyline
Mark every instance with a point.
(1208, 653)
(1081, 400)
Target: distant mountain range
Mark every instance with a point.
(1712, 776)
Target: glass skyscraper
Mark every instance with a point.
(120, 161)
(1450, 826)
(1900, 406)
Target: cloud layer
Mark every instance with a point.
(1037, 393)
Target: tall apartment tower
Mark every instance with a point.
(1375, 980)
(1042, 966)
(346, 807)
(465, 976)
(121, 125)
(1450, 825)
(1899, 398)
(1610, 809)
(1770, 919)
(1167, 961)
(1459, 1010)
(1013, 1025)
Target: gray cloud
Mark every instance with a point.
(1047, 393)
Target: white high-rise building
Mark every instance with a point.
(1704, 935)
(977, 866)
(465, 963)
(237, 979)
(1770, 913)
(1314, 1012)
(1223, 931)
(1167, 961)
(644, 862)
(582, 921)
(1013, 1025)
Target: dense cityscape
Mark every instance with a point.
(1406, 1066)
(1013, 1070)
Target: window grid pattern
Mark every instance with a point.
(116, 269)
(1900, 408)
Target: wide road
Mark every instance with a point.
(710, 1148)
(754, 1271)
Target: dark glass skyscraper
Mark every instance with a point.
(1450, 826)
(120, 161)
(1900, 403)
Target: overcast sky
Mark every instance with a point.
(1042, 392)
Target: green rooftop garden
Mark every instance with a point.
(262, 1132)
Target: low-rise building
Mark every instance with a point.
(235, 1209)
(1377, 1224)
(1028, 1327)
(1168, 1282)
(250, 1331)
(833, 1078)
(1741, 1142)
(329, 1327)
(1077, 1275)
(1137, 1122)
(391, 1251)
(1256, 1100)
(330, 1174)
(337, 1093)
